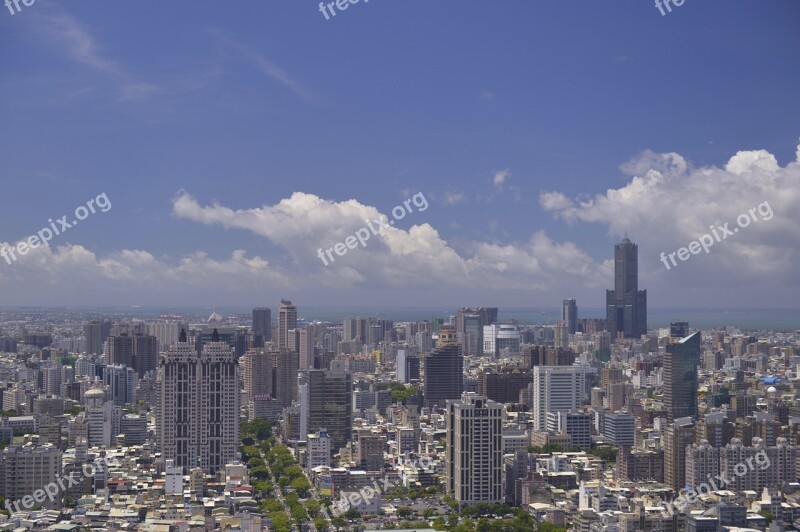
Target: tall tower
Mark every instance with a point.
(444, 369)
(626, 305)
(262, 323)
(569, 315)
(474, 455)
(197, 420)
(287, 322)
(680, 377)
(330, 403)
(284, 386)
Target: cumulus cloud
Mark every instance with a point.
(668, 203)
(500, 176)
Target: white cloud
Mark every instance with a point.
(668, 203)
(500, 176)
(487, 95)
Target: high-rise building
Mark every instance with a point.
(556, 389)
(256, 368)
(469, 328)
(474, 454)
(197, 419)
(444, 370)
(284, 386)
(677, 436)
(96, 333)
(319, 449)
(262, 323)
(306, 348)
(121, 382)
(287, 320)
(569, 315)
(681, 361)
(371, 447)
(626, 305)
(138, 351)
(330, 403)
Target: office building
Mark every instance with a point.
(569, 315)
(197, 418)
(262, 323)
(556, 389)
(121, 383)
(306, 348)
(501, 340)
(96, 332)
(626, 305)
(619, 429)
(681, 361)
(578, 425)
(138, 351)
(330, 403)
(474, 452)
(444, 370)
(284, 385)
(287, 320)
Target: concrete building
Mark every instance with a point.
(474, 454)
(556, 389)
(330, 403)
(197, 417)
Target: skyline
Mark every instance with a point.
(534, 159)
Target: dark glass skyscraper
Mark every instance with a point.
(262, 324)
(626, 305)
(444, 370)
(569, 314)
(680, 377)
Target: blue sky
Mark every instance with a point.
(201, 121)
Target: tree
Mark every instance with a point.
(301, 486)
(405, 511)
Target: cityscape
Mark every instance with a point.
(418, 266)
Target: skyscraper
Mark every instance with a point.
(262, 323)
(474, 454)
(306, 348)
(330, 403)
(197, 419)
(96, 333)
(680, 377)
(569, 315)
(676, 437)
(139, 352)
(626, 305)
(287, 321)
(256, 369)
(284, 385)
(444, 369)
